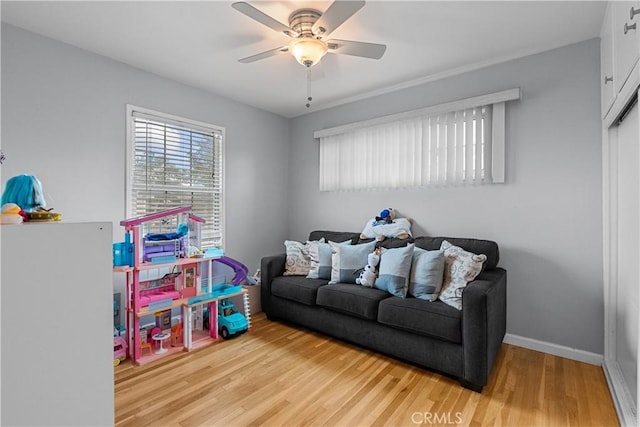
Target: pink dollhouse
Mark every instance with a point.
(164, 276)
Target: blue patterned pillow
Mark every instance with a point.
(395, 269)
(427, 273)
(346, 260)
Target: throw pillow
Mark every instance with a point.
(461, 267)
(394, 271)
(297, 263)
(346, 260)
(427, 273)
(320, 259)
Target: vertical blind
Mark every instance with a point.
(175, 163)
(433, 146)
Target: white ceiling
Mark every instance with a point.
(199, 43)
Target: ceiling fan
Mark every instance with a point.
(309, 29)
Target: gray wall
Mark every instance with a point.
(546, 218)
(63, 120)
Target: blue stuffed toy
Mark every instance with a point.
(386, 217)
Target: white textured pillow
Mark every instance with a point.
(297, 263)
(461, 267)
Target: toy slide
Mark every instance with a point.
(239, 268)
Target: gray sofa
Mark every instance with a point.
(463, 344)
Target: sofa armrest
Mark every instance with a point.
(270, 268)
(484, 323)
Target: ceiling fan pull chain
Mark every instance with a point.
(309, 87)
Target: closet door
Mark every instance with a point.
(628, 249)
(622, 261)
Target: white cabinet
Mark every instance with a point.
(57, 324)
(626, 27)
(619, 54)
(608, 93)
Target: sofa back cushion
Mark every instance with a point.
(334, 236)
(476, 246)
(389, 242)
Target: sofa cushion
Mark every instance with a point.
(297, 288)
(477, 246)
(350, 299)
(435, 319)
(389, 242)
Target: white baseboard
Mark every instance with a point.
(555, 349)
(624, 404)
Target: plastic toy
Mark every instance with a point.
(11, 214)
(239, 268)
(176, 334)
(119, 350)
(123, 252)
(146, 344)
(230, 321)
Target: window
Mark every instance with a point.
(461, 142)
(174, 162)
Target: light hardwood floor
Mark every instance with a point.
(277, 375)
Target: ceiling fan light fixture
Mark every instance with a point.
(308, 50)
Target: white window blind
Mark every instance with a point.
(455, 143)
(176, 162)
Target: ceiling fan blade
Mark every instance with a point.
(363, 49)
(263, 55)
(263, 18)
(335, 15)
